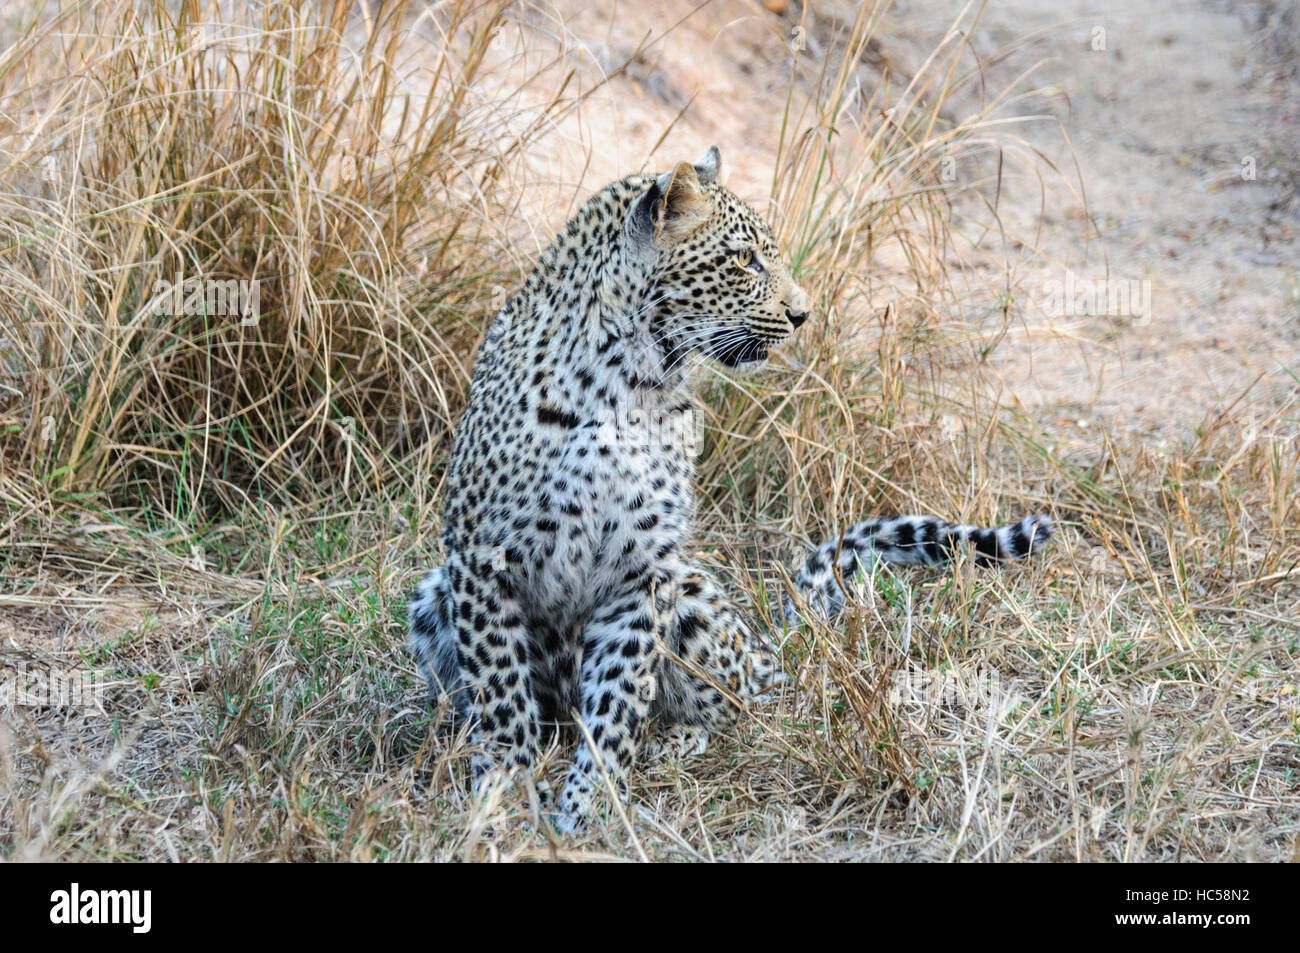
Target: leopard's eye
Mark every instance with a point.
(744, 259)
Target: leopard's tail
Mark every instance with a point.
(922, 540)
(433, 641)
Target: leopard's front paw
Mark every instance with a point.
(567, 825)
(574, 805)
(676, 742)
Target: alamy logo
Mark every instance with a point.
(102, 906)
(33, 685)
(208, 296)
(1117, 297)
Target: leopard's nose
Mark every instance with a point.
(797, 312)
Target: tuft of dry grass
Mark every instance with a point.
(207, 531)
(346, 168)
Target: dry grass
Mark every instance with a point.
(227, 519)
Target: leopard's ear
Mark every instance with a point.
(683, 208)
(709, 168)
(671, 210)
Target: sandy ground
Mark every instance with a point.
(1166, 124)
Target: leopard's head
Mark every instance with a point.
(720, 287)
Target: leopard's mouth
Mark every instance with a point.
(750, 359)
(742, 352)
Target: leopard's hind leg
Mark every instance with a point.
(715, 665)
(432, 640)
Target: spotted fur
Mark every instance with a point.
(830, 574)
(569, 498)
